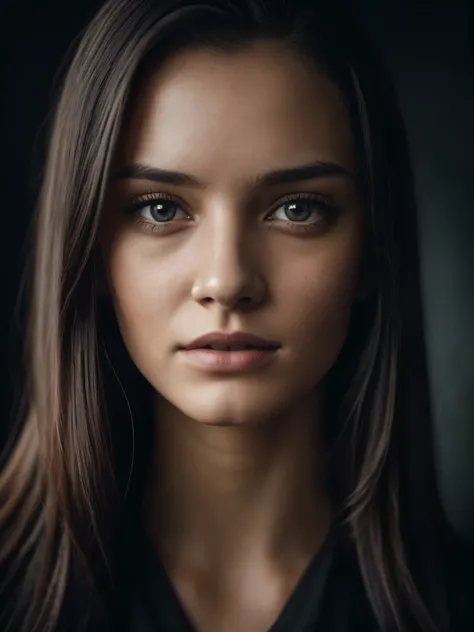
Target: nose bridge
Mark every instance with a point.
(226, 271)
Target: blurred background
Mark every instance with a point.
(428, 45)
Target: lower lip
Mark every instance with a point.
(230, 361)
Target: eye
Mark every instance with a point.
(303, 209)
(158, 210)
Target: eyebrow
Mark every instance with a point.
(272, 178)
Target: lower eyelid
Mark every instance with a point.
(153, 227)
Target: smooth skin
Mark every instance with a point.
(236, 502)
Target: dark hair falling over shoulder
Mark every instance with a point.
(63, 484)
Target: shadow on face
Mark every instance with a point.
(233, 206)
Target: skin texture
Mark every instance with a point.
(235, 501)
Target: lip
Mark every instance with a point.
(235, 338)
(242, 361)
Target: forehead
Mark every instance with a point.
(257, 108)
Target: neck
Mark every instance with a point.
(218, 495)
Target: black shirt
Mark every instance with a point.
(329, 595)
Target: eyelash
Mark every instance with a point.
(328, 211)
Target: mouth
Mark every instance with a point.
(235, 341)
(230, 359)
(234, 352)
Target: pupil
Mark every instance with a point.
(163, 211)
(300, 211)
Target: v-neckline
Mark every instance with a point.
(302, 606)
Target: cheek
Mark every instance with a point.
(316, 294)
(142, 293)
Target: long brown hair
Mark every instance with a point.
(61, 487)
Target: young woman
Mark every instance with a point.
(227, 423)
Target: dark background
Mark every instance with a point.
(428, 45)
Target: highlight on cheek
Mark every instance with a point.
(298, 213)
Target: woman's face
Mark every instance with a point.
(226, 247)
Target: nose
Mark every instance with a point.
(227, 272)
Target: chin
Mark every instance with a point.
(226, 409)
(228, 415)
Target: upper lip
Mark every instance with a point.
(235, 338)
